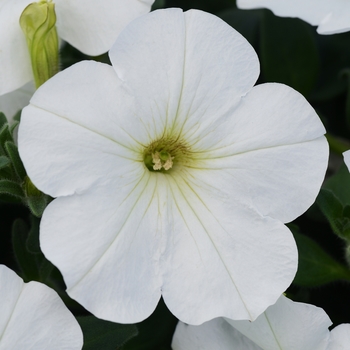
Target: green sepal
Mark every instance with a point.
(38, 23)
(316, 267)
(11, 188)
(26, 261)
(12, 151)
(100, 334)
(4, 162)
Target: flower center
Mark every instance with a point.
(161, 155)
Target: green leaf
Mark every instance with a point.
(26, 261)
(11, 188)
(4, 162)
(5, 135)
(37, 204)
(12, 152)
(33, 244)
(3, 120)
(288, 52)
(339, 184)
(100, 334)
(333, 210)
(316, 267)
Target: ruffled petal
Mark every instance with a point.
(311, 11)
(221, 255)
(214, 334)
(337, 20)
(331, 16)
(34, 317)
(68, 147)
(340, 337)
(111, 246)
(271, 150)
(285, 325)
(91, 26)
(188, 91)
(288, 325)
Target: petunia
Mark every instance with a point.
(331, 16)
(34, 317)
(88, 25)
(173, 174)
(286, 325)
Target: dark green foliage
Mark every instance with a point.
(100, 334)
(288, 52)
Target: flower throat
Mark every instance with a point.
(161, 155)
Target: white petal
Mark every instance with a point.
(92, 26)
(214, 334)
(14, 101)
(111, 246)
(337, 20)
(271, 149)
(212, 68)
(81, 140)
(221, 255)
(15, 66)
(330, 15)
(340, 337)
(288, 325)
(346, 156)
(310, 11)
(34, 317)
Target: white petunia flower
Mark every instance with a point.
(287, 325)
(34, 317)
(90, 26)
(173, 175)
(340, 337)
(331, 16)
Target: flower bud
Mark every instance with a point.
(38, 24)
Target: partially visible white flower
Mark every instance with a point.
(34, 317)
(331, 16)
(89, 25)
(14, 101)
(346, 156)
(173, 174)
(340, 338)
(287, 325)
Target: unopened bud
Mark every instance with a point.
(38, 24)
